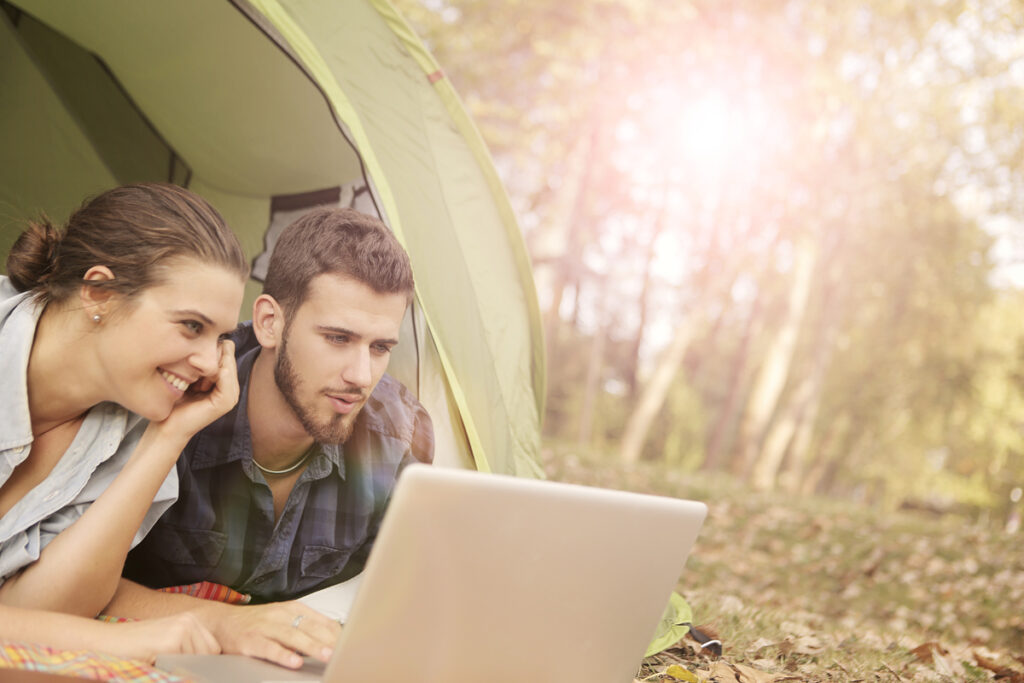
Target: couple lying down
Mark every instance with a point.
(146, 441)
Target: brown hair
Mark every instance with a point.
(341, 242)
(133, 230)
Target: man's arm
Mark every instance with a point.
(275, 631)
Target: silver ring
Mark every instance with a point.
(298, 620)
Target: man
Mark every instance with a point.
(284, 494)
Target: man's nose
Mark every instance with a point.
(358, 371)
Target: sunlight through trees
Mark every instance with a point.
(779, 239)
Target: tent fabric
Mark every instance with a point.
(247, 101)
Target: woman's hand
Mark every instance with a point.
(180, 634)
(208, 398)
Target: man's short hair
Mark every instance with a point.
(339, 242)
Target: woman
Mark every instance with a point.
(110, 360)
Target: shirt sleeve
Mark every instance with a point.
(25, 546)
(421, 446)
(104, 475)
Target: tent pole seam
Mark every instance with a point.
(279, 18)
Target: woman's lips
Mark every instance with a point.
(178, 383)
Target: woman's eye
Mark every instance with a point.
(193, 326)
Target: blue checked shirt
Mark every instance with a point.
(222, 527)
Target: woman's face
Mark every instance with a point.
(166, 337)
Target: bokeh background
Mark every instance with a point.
(778, 240)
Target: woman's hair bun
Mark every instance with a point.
(34, 255)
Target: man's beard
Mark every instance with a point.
(336, 430)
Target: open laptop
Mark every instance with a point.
(490, 577)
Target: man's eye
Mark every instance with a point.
(337, 338)
(381, 348)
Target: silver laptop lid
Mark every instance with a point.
(490, 577)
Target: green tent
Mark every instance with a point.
(268, 108)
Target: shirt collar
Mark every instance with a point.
(20, 315)
(233, 428)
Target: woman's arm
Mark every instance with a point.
(268, 631)
(79, 570)
(135, 640)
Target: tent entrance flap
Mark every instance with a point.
(250, 101)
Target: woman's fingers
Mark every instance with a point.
(227, 372)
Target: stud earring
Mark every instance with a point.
(96, 318)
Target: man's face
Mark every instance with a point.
(334, 350)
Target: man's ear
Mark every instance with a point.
(267, 321)
(96, 301)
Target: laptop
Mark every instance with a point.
(491, 577)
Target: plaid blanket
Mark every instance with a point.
(81, 664)
(211, 591)
(102, 667)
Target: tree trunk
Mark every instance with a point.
(632, 380)
(790, 479)
(654, 392)
(792, 428)
(771, 379)
(592, 384)
(653, 395)
(568, 212)
(716, 443)
(780, 435)
(838, 432)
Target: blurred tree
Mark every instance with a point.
(774, 220)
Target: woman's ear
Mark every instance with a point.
(96, 301)
(267, 321)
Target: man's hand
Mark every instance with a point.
(275, 632)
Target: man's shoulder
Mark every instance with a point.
(390, 389)
(391, 404)
(392, 410)
(244, 338)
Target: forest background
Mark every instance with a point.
(779, 240)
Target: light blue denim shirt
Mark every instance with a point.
(104, 442)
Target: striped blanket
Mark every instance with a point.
(81, 664)
(102, 667)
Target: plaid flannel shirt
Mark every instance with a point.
(222, 528)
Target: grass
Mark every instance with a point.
(824, 590)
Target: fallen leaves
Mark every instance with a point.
(816, 590)
(720, 672)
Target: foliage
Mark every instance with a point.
(675, 165)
